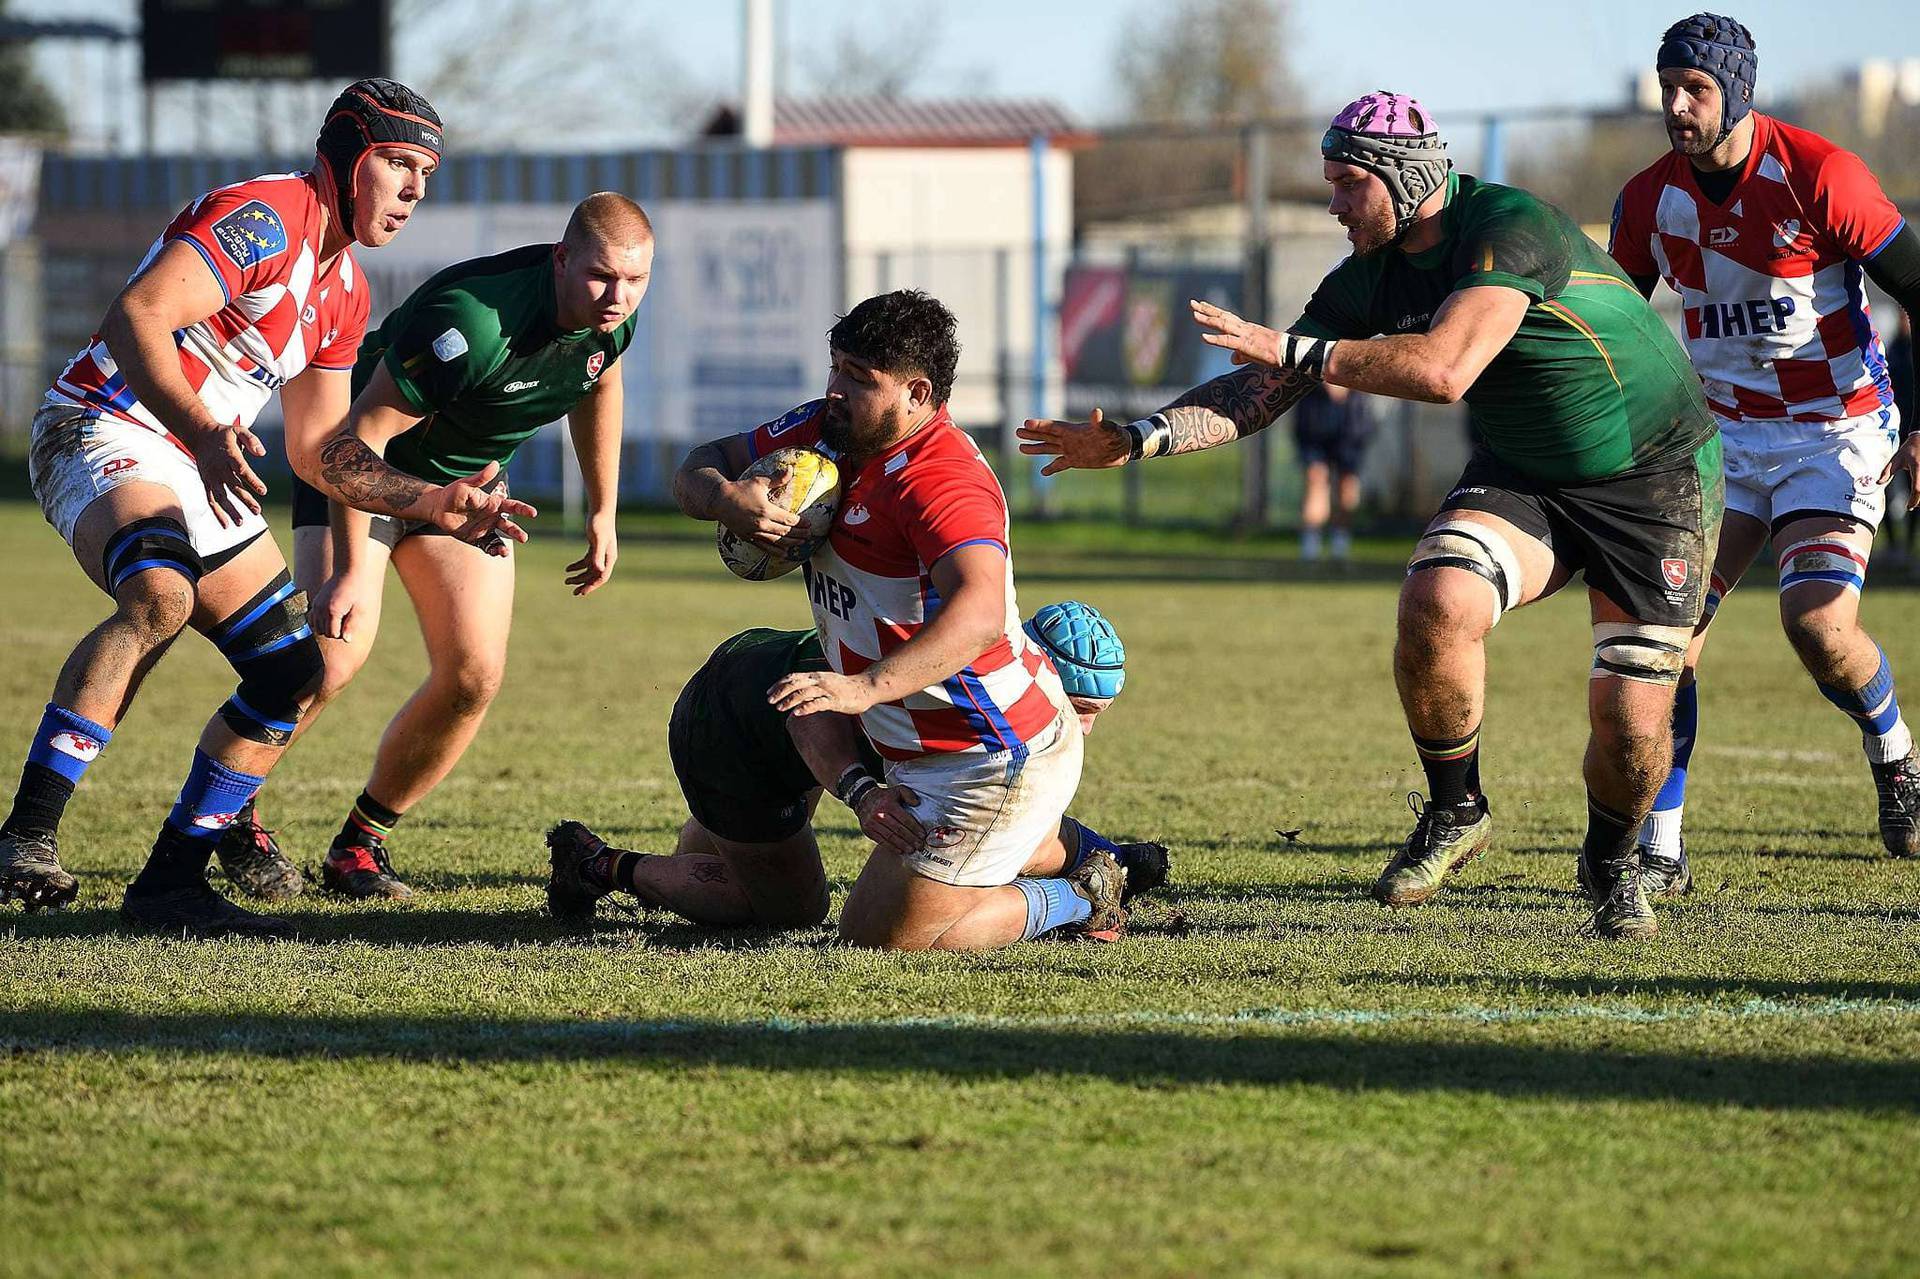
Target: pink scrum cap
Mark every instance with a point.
(1395, 138)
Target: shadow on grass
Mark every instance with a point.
(1362, 1064)
(414, 926)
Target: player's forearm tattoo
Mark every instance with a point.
(363, 478)
(1232, 407)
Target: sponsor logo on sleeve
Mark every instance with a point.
(251, 234)
(449, 346)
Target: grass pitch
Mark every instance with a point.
(1269, 1075)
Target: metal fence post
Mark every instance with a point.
(1041, 317)
(1256, 485)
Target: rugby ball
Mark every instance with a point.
(806, 482)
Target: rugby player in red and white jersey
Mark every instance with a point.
(1765, 231)
(140, 460)
(913, 599)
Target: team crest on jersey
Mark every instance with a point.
(595, 363)
(1786, 232)
(1675, 571)
(251, 234)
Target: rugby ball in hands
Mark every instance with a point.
(806, 482)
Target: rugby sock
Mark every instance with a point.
(1660, 833)
(369, 822)
(1342, 543)
(1090, 839)
(1310, 542)
(209, 801)
(1050, 903)
(63, 746)
(1609, 836)
(1883, 731)
(1452, 766)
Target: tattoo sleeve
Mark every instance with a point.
(361, 478)
(1233, 406)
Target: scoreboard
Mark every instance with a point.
(263, 39)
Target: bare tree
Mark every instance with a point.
(505, 74)
(871, 59)
(26, 105)
(1204, 61)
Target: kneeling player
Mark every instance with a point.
(752, 776)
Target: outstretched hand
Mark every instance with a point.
(1094, 445)
(473, 510)
(220, 455)
(1248, 342)
(811, 692)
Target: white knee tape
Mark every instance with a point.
(1478, 549)
(1638, 651)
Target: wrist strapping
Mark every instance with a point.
(853, 784)
(1305, 354)
(1148, 437)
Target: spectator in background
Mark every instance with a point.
(1900, 371)
(1331, 429)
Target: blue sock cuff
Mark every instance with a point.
(1873, 705)
(67, 743)
(1050, 903)
(1090, 839)
(212, 796)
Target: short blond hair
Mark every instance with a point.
(607, 218)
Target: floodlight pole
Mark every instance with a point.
(756, 73)
(1256, 459)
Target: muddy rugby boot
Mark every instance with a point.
(1898, 785)
(1439, 845)
(1619, 899)
(362, 872)
(31, 874)
(196, 910)
(253, 862)
(571, 890)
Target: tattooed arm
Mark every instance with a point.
(1231, 407)
(349, 469)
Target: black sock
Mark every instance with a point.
(1452, 766)
(39, 803)
(368, 823)
(175, 862)
(1611, 838)
(611, 869)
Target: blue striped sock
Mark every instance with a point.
(67, 743)
(1050, 903)
(212, 797)
(1876, 709)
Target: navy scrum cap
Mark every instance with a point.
(1723, 49)
(369, 114)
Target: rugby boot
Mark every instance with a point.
(362, 872)
(196, 910)
(571, 890)
(30, 872)
(1102, 881)
(1619, 899)
(1899, 786)
(1441, 843)
(1147, 866)
(1665, 877)
(252, 859)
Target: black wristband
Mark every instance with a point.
(859, 791)
(848, 784)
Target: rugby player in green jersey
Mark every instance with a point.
(456, 378)
(1594, 452)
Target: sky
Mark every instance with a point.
(1460, 56)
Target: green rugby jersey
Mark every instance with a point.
(1592, 385)
(727, 720)
(478, 351)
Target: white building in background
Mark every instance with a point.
(950, 196)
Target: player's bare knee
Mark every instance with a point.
(1440, 611)
(470, 687)
(156, 605)
(1818, 630)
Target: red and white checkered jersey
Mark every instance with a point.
(282, 313)
(872, 589)
(1775, 311)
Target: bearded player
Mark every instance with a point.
(141, 461)
(913, 599)
(1765, 231)
(1593, 453)
(752, 777)
(454, 380)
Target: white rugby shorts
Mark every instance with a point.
(79, 454)
(1775, 466)
(986, 814)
